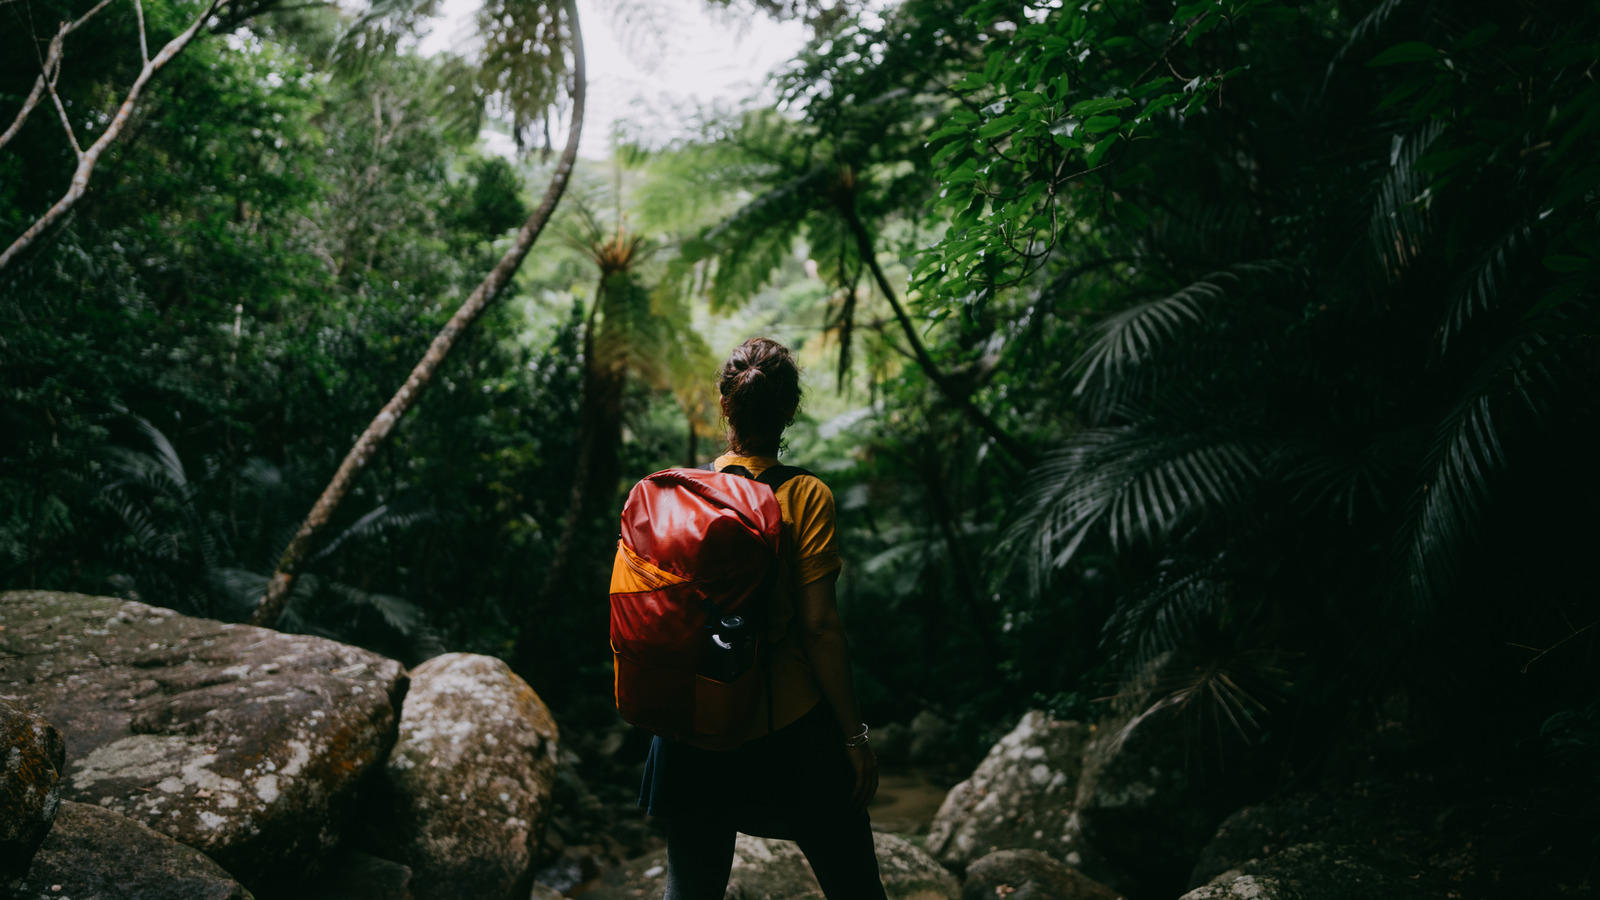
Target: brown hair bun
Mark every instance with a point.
(760, 387)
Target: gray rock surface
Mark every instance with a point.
(776, 870)
(1317, 871)
(242, 742)
(1020, 796)
(1030, 875)
(471, 777)
(96, 854)
(31, 758)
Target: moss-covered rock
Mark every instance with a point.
(1019, 797)
(776, 870)
(1318, 871)
(245, 743)
(471, 777)
(1030, 875)
(96, 854)
(31, 757)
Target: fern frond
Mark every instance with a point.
(401, 614)
(400, 514)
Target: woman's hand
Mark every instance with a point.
(865, 762)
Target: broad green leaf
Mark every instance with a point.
(1098, 124)
(1101, 149)
(1099, 105)
(997, 127)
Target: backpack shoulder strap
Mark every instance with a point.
(777, 476)
(774, 477)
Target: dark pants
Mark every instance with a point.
(700, 857)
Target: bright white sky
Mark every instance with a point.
(651, 63)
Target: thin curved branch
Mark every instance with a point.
(957, 397)
(299, 550)
(88, 158)
(47, 72)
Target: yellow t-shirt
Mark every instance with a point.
(811, 551)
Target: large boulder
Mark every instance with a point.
(1019, 797)
(1256, 832)
(1030, 875)
(471, 777)
(1151, 796)
(776, 870)
(1318, 871)
(96, 854)
(245, 743)
(31, 758)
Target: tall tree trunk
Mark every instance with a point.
(300, 547)
(957, 397)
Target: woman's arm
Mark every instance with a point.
(830, 658)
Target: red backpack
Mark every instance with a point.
(695, 566)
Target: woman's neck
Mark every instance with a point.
(752, 452)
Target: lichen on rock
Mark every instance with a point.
(96, 853)
(31, 757)
(470, 777)
(1020, 796)
(765, 869)
(245, 743)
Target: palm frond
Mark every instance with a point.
(1454, 499)
(1230, 692)
(1139, 482)
(1369, 25)
(1132, 352)
(1341, 479)
(736, 256)
(1482, 286)
(1399, 218)
(1159, 618)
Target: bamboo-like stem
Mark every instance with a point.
(299, 549)
(88, 158)
(47, 72)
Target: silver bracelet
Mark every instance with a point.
(859, 740)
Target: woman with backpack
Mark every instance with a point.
(802, 770)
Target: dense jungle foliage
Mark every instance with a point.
(1235, 358)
